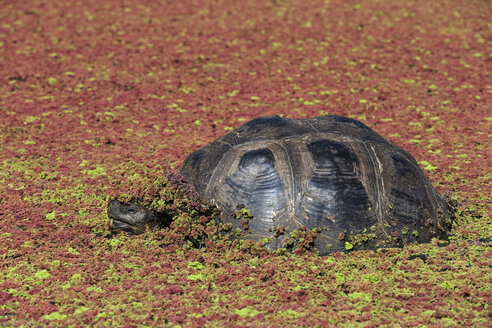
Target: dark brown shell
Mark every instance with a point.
(331, 174)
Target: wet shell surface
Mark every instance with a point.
(330, 174)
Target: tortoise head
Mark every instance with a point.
(132, 218)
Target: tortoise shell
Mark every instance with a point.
(330, 174)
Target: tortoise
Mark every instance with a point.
(331, 175)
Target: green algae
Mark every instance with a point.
(247, 312)
(42, 274)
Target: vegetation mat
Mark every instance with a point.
(100, 98)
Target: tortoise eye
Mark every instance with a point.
(130, 210)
